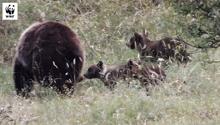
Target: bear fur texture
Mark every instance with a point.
(147, 74)
(110, 74)
(167, 48)
(49, 53)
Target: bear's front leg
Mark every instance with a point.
(22, 79)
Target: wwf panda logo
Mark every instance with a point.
(10, 9)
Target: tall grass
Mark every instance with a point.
(189, 96)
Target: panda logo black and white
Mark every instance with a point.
(10, 9)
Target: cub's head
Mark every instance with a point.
(95, 71)
(137, 40)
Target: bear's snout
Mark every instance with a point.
(86, 75)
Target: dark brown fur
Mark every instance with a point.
(132, 69)
(167, 48)
(148, 74)
(49, 53)
(110, 74)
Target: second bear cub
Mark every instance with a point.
(110, 74)
(166, 48)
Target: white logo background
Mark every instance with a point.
(9, 11)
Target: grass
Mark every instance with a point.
(196, 102)
(189, 96)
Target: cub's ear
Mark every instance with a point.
(130, 62)
(100, 64)
(138, 37)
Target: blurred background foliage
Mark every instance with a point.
(205, 17)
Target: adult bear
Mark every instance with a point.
(49, 53)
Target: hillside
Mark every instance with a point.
(190, 95)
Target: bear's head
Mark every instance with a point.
(95, 71)
(138, 40)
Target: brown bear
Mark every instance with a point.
(167, 48)
(49, 53)
(110, 74)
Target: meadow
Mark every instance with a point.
(189, 96)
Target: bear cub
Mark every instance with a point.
(110, 74)
(167, 48)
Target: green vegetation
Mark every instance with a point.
(189, 96)
(204, 24)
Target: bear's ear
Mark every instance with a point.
(145, 33)
(137, 37)
(130, 62)
(100, 64)
(137, 34)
